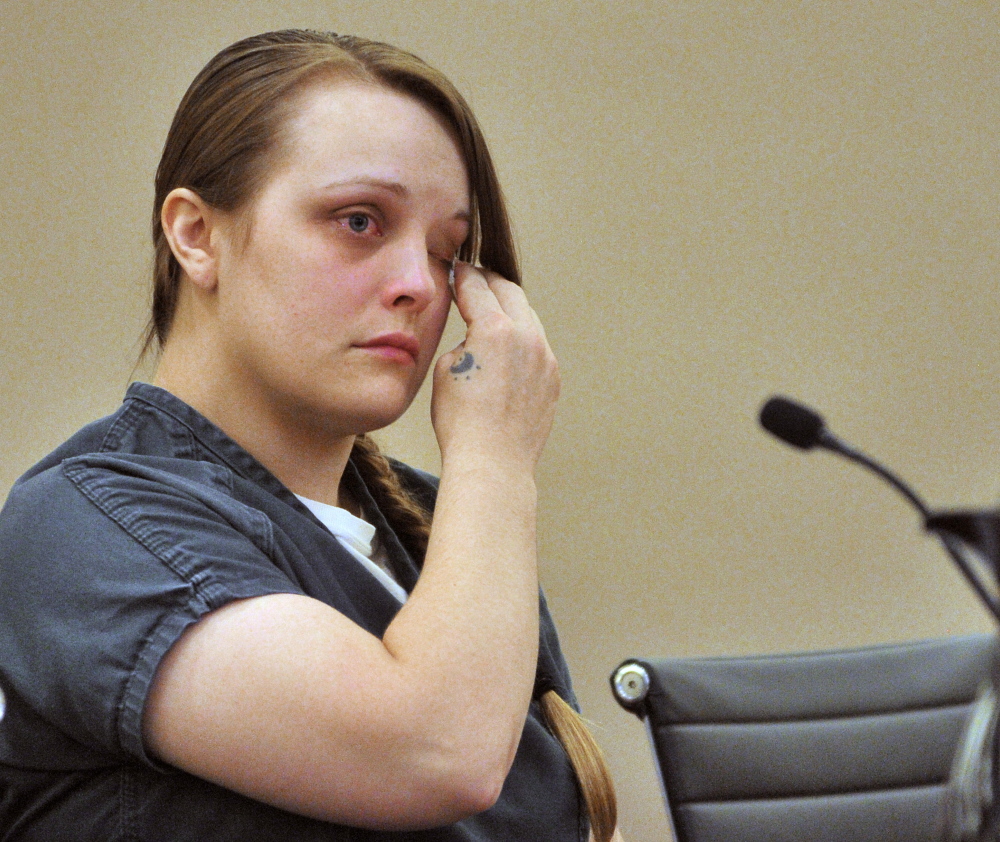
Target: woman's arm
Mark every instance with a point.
(284, 699)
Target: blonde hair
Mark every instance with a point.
(224, 141)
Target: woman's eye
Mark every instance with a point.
(359, 223)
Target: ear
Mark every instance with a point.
(187, 224)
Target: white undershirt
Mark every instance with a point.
(356, 536)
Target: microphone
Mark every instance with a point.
(800, 427)
(793, 423)
(805, 429)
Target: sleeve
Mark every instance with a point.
(104, 562)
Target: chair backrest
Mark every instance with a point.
(838, 746)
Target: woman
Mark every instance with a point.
(212, 624)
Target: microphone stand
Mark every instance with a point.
(976, 808)
(975, 775)
(979, 530)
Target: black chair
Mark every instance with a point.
(842, 746)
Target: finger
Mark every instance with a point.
(472, 292)
(480, 291)
(513, 300)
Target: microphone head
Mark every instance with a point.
(793, 423)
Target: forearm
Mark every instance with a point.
(469, 632)
(473, 617)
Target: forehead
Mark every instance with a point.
(343, 126)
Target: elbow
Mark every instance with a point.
(471, 791)
(449, 767)
(481, 794)
(472, 779)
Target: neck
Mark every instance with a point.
(306, 457)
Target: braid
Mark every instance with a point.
(591, 769)
(412, 524)
(410, 521)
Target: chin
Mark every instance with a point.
(364, 408)
(369, 419)
(373, 424)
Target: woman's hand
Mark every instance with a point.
(495, 394)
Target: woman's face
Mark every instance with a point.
(331, 311)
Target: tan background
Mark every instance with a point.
(715, 201)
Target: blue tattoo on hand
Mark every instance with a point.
(464, 366)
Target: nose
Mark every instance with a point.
(412, 280)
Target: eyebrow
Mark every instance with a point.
(392, 186)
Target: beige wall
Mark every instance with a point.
(715, 201)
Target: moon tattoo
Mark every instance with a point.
(464, 366)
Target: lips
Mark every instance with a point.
(394, 346)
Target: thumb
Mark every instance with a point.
(451, 359)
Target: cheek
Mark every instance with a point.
(438, 316)
(327, 293)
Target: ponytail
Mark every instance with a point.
(592, 773)
(411, 522)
